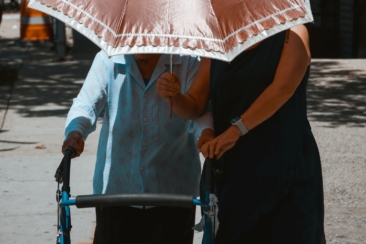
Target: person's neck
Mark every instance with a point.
(147, 66)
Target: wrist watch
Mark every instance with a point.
(238, 122)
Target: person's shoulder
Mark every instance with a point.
(301, 31)
(102, 57)
(102, 54)
(299, 40)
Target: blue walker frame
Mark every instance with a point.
(86, 201)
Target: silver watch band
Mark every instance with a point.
(243, 129)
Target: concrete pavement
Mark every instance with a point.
(43, 95)
(39, 104)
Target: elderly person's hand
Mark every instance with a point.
(218, 146)
(206, 136)
(74, 139)
(168, 86)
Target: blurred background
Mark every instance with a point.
(339, 29)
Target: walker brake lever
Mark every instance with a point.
(59, 174)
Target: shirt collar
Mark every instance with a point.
(118, 59)
(161, 67)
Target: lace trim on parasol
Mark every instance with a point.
(224, 49)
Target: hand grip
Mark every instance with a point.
(150, 199)
(63, 171)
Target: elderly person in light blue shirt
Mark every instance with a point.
(141, 149)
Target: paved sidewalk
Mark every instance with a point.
(43, 95)
(41, 99)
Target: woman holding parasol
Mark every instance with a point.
(273, 191)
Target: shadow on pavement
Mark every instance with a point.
(17, 142)
(45, 87)
(337, 94)
(8, 149)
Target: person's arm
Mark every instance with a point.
(295, 59)
(193, 103)
(88, 105)
(202, 127)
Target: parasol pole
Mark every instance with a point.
(171, 64)
(171, 99)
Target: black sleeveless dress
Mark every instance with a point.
(274, 190)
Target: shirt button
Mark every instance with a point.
(145, 95)
(145, 119)
(142, 169)
(144, 143)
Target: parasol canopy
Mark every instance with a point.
(219, 29)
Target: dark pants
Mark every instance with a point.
(155, 225)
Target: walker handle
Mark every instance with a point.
(63, 171)
(149, 199)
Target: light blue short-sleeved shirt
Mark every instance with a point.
(140, 149)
